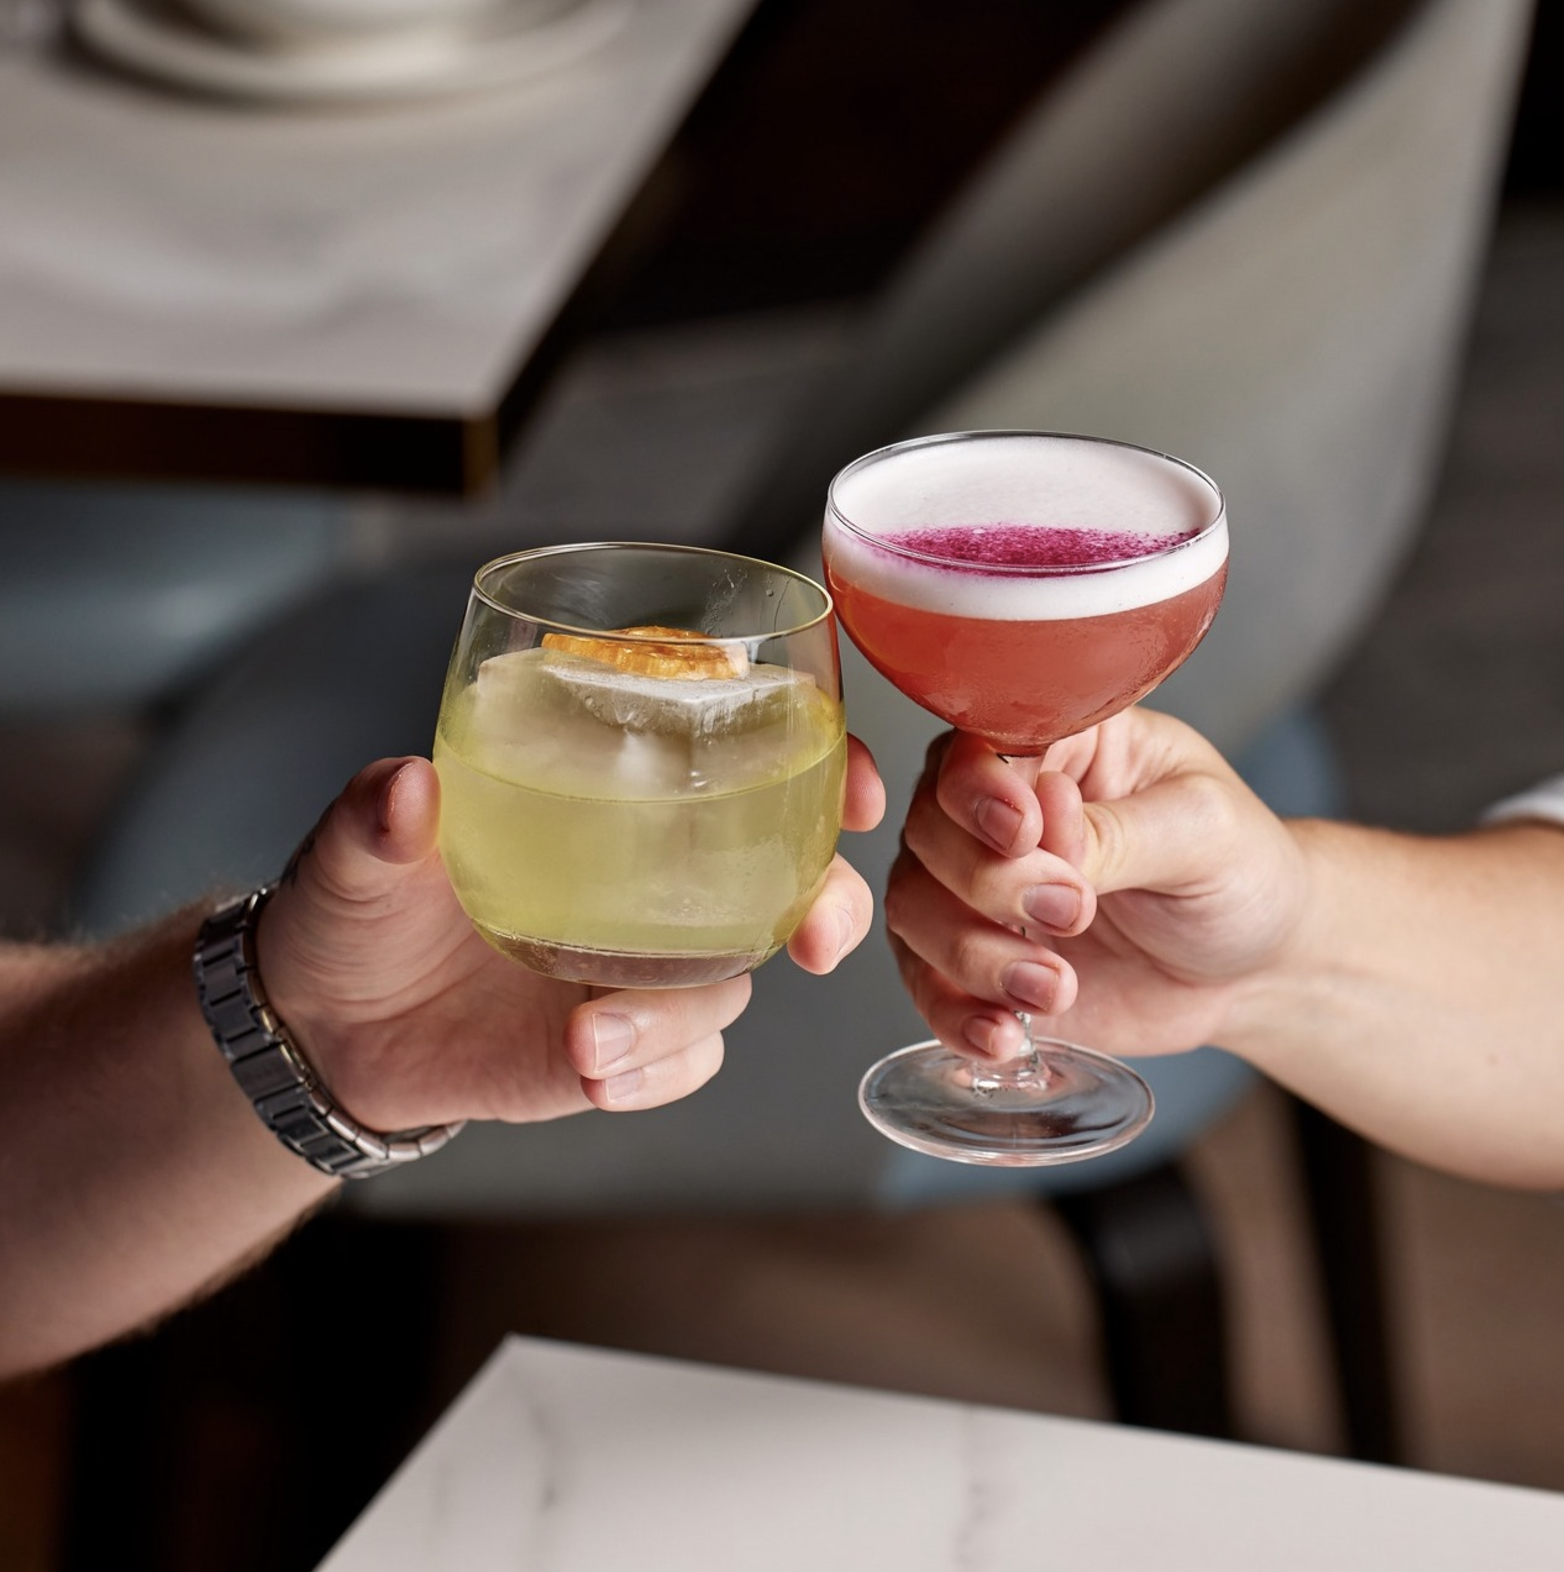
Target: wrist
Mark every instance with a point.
(1274, 1003)
(285, 1088)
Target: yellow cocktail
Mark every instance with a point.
(648, 796)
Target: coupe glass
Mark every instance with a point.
(1022, 586)
(642, 758)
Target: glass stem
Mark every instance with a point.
(1026, 1066)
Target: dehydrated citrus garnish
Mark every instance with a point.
(655, 651)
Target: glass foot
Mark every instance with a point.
(1064, 1105)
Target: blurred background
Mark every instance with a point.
(775, 278)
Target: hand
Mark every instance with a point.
(1156, 892)
(410, 1018)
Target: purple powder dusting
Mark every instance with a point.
(1031, 545)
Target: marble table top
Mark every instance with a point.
(402, 260)
(566, 1459)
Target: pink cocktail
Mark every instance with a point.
(1021, 586)
(1029, 603)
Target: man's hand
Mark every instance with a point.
(411, 1018)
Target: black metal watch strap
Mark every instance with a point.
(279, 1081)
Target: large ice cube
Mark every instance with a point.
(700, 709)
(507, 695)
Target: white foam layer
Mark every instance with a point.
(1024, 479)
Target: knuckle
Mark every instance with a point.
(969, 957)
(1109, 844)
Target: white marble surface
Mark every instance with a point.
(398, 258)
(565, 1459)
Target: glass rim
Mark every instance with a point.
(682, 636)
(1024, 570)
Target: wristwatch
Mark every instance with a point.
(272, 1072)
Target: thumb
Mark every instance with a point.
(1171, 838)
(354, 917)
(388, 814)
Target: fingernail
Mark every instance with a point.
(623, 1088)
(846, 929)
(1053, 905)
(998, 822)
(388, 794)
(612, 1038)
(1031, 984)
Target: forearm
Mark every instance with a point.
(1417, 1003)
(134, 1172)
